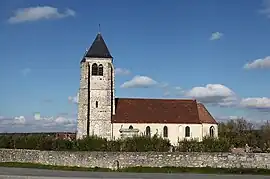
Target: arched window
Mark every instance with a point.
(148, 131)
(94, 69)
(187, 131)
(211, 131)
(96, 104)
(165, 131)
(130, 127)
(100, 70)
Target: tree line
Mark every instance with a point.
(237, 133)
(234, 133)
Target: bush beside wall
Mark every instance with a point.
(42, 142)
(135, 144)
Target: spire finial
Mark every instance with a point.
(99, 29)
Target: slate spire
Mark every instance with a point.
(98, 49)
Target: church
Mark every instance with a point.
(103, 115)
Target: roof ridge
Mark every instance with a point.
(165, 99)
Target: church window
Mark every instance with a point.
(148, 131)
(187, 131)
(94, 69)
(100, 70)
(130, 127)
(165, 131)
(96, 104)
(211, 131)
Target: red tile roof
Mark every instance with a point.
(175, 111)
(204, 115)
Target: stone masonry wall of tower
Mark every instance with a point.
(83, 101)
(96, 95)
(101, 104)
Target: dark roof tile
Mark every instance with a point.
(98, 49)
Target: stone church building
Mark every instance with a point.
(103, 115)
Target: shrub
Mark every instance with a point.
(93, 143)
(144, 144)
(189, 146)
(208, 144)
(4, 141)
(215, 145)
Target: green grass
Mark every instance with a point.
(52, 167)
(205, 170)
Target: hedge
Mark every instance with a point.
(42, 142)
(134, 144)
(207, 145)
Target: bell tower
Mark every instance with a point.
(96, 104)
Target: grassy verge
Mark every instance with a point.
(52, 167)
(205, 170)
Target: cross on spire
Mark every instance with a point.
(99, 29)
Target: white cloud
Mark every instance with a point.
(19, 120)
(227, 118)
(259, 63)
(221, 95)
(229, 101)
(38, 13)
(139, 82)
(37, 116)
(26, 71)
(121, 71)
(213, 94)
(171, 91)
(64, 121)
(216, 36)
(257, 103)
(74, 99)
(179, 90)
(266, 8)
(42, 124)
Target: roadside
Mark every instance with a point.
(205, 170)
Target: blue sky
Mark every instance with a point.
(214, 51)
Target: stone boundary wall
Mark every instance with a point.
(130, 159)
